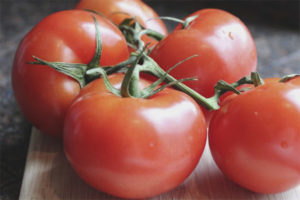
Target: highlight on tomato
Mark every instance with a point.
(44, 94)
(225, 48)
(255, 136)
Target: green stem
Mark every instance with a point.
(173, 19)
(134, 83)
(152, 67)
(107, 83)
(149, 32)
(185, 23)
(222, 87)
(154, 34)
(257, 80)
(95, 73)
(288, 77)
(133, 32)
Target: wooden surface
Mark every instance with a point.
(49, 176)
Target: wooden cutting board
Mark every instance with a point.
(49, 176)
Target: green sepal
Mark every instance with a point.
(129, 87)
(222, 87)
(173, 19)
(151, 67)
(94, 73)
(185, 23)
(133, 31)
(188, 20)
(167, 85)
(74, 70)
(288, 77)
(96, 58)
(106, 81)
(146, 92)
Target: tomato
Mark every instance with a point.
(225, 49)
(131, 147)
(67, 36)
(255, 137)
(118, 10)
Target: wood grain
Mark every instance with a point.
(49, 176)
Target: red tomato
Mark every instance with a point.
(133, 148)
(225, 49)
(118, 10)
(68, 36)
(255, 137)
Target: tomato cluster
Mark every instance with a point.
(133, 138)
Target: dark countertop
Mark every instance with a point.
(275, 26)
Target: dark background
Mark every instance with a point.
(275, 26)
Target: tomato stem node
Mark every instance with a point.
(257, 80)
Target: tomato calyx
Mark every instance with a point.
(74, 70)
(133, 32)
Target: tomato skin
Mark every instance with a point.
(67, 36)
(134, 148)
(135, 8)
(255, 137)
(295, 81)
(225, 49)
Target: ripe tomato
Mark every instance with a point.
(67, 36)
(255, 137)
(130, 147)
(225, 49)
(118, 10)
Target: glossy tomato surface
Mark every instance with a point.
(255, 137)
(133, 148)
(225, 49)
(118, 10)
(67, 36)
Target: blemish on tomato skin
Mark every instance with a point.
(284, 144)
(151, 144)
